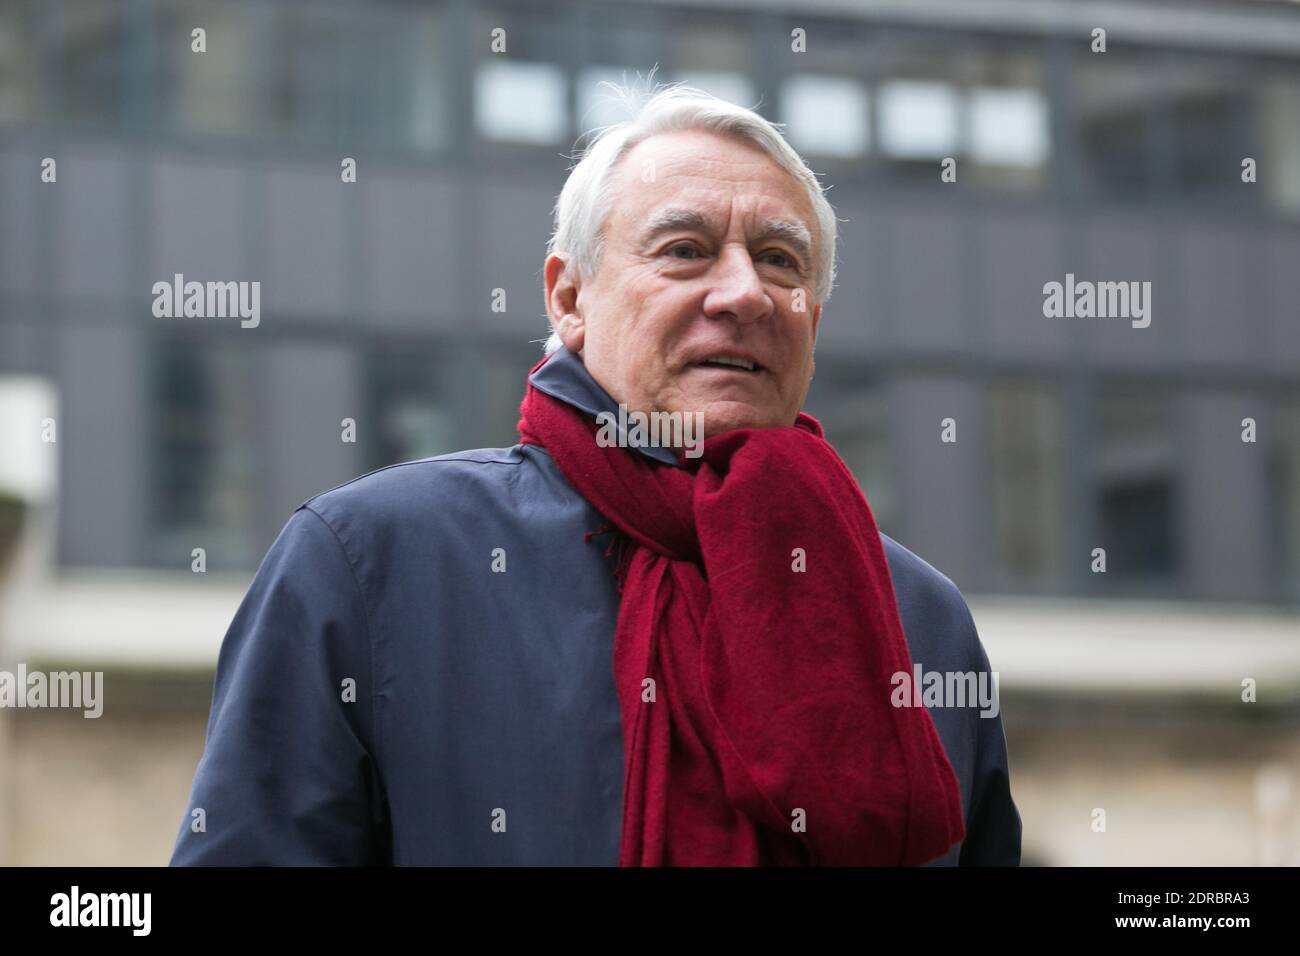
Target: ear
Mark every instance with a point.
(562, 303)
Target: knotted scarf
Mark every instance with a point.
(756, 641)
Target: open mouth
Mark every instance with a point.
(731, 364)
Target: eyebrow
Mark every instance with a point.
(795, 234)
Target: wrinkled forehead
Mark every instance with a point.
(690, 178)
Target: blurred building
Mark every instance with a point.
(377, 306)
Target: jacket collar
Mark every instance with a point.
(563, 376)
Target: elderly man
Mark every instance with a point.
(628, 652)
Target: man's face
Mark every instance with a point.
(672, 295)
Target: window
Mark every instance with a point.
(308, 72)
(396, 90)
(204, 436)
(981, 104)
(1024, 442)
(1119, 106)
(410, 402)
(826, 115)
(1135, 487)
(918, 119)
(16, 65)
(713, 52)
(1277, 125)
(1008, 127)
(520, 102)
(231, 90)
(433, 401)
(856, 421)
(89, 58)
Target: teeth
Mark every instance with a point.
(739, 363)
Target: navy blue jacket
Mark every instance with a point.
(383, 695)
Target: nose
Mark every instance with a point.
(736, 291)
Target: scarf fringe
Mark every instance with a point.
(619, 550)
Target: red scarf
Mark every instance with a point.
(771, 738)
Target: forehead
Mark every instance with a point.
(707, 171)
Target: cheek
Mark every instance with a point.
(799, 339)
(796, 384)
(659, 326)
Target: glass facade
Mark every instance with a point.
(1025, 462)
(1134, 479)
(420, 90)
(203, 432)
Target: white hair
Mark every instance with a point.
(584, 202)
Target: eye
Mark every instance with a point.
(786, 263)
(672, 250)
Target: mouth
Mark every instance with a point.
(731, 363)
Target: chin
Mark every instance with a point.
(720, 417)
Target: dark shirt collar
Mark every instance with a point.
(563, 376)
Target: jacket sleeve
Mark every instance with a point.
(993, 826)
(288, 775)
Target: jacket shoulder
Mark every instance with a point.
(427, 483)
(934, 611)
(914, 575)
